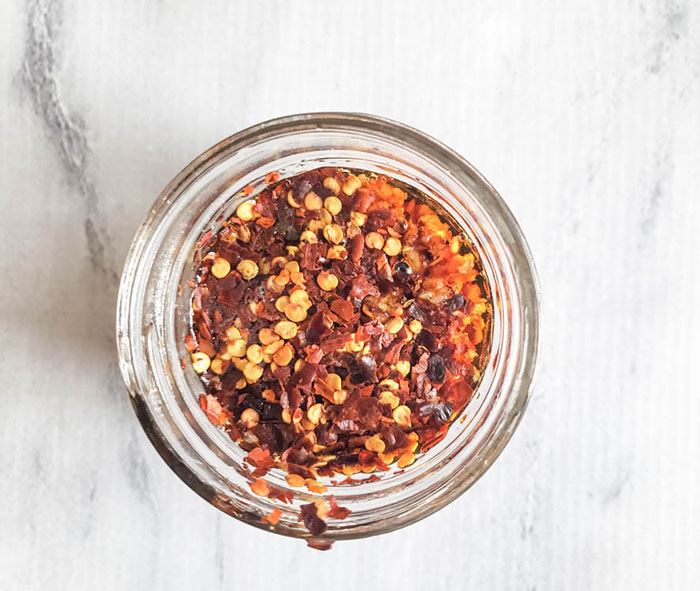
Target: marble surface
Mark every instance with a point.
(585, 114)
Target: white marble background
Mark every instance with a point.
(585, 114)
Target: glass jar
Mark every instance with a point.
(154, 307)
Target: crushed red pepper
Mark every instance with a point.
(340, 323)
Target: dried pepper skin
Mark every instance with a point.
(340, 323)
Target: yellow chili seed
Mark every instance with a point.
(254, 353)
(250, 418)
(301, 298)
(416, 326)
(297, 278)
(338, 253)
(282, 277)
(266, 336)
(269, 395)
(292, 202)
(375, 444)
(244, 234)
(391, 384)
(281, 303)
(200, 362)
(374, 240)
(295, 312)
(315, 486)
(252, 372)
(327, 281)
(334, 381)
(247, 269)
(392, 246)
(402, 416)
(351, 185)
(403, 367)
(295, 480)
(292, 267)
(245, 211)
(340, 396)
(393, 325)
(406, 459)
(387, 457)
(217, 366)
(358, 218)
(273, 347)
(240, 384)
(333, 233)
(284, 355)
(333, 205)
(325, 217)
(220, 268)
(331, 184)
(388, 399)
(312, 201)
(315, 413)
(232, 334)
(287, 416)
(286, 329)
(299, 364)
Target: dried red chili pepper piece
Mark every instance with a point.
(340, 324)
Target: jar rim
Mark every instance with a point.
(135, 367)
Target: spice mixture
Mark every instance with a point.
(339, 323)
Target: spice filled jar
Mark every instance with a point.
(155, 315)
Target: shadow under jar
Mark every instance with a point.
(154, 310)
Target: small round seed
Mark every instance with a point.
(358, 218)
(327, 281)
(391, 384)
(254, 353)
(375, 444)
(269, 395)
(237, 348)
(333, 233)
(387, 457)
(351, 185)
(415, 326)
(331, 184)
(312, 201)
(388, 399)
(295, 480)
(292, 267)
(333, 205)
(295, 312)
(298, 364)
(402, 416)
(220, 268)
(200, 362)
(308, 236)
(392, 246)
(248, 269)
(339, 253)
(232, 334)
(340, 396)
(266, 336)
(240, 384)
(245, 211)
(315, 413)
(250, 418)
(281, 303)
(282, 278)
(374, 240)
(292, 202)
(217, 366)
(252, 372)
(273, 347)
(287, 416)
(284, 355)
(334, 381)
(300, 297)
(403, 367)
(286, 329)
(393, 325)
(325, 217)
(406, 459)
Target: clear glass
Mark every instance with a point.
(153, 313)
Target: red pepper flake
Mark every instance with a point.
(309, 515)
(204, 239)
(320, 544)
(260, 487)
(352, 326)
(183, 363)
(215, 412)
(272, 517)
(336, 511)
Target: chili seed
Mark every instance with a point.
(327, 281)
(393, 325)
(232, 334)
(334, 381)
(312, 201)
(402, 416)
(284, 355)
(333, 204)
(286, 329)
(254, 353)
(331, 184)
(250, 418)
(388, 399)
(245, 211)
(338, 253)
(247, 269)
(375, 444)
(308, 236)
(358, 218)
(220, 268)
(301, 298)
(333, 233)
(406, 460)
(295, 312)
(200, 362)
(403, 367)
(252, 372)
(266, 336)
(315, 413)
(351, 185)
(392, 246)
(281, 303)
(295, 480)
(374, 240)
